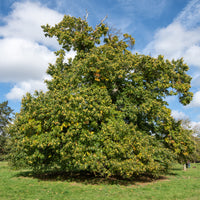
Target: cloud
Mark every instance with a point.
(22, 60)
(25, 22)
(196, 100)
(195, 125)
(25, 53)
(175, 41)
(179, 39)
(190, 16)
(196, 79)
(192, 125)
(192, 55)
(21, 88)
(178, 115)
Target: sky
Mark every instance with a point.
(167, 27)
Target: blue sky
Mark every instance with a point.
(168, 27)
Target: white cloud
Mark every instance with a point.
(196, 100)
(21, 88)
(175, 42)
(195, 124)
(192, 55)
(180, 38)
(22, 60)
(190, 16)
(25, 22)
(25, 53)
(196, 79)
(178, 115)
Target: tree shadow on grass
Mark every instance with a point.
(88, 178)
(175, 171)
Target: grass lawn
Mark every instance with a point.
(19, 185)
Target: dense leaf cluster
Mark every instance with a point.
(105, 111)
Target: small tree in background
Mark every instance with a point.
(5, 118)
(105, 110)
(195, 132)
(186, 124)
(195, 157)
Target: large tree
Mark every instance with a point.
(5, 118)
(105, 110)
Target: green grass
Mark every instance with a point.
(19, 185)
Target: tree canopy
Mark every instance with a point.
(105, 110)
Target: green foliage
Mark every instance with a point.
(105, 111)
(5, 118)
(195, 156)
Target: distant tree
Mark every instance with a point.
(195, 156)
(186, 124)
(195, 135)
(5, 118)
(105, 110)
(196, 132)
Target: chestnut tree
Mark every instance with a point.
(105, 110)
